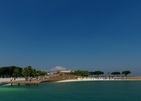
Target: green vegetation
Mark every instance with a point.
(108, 73)
(115, 73)
(31, 72)
(58, 71)
(80, 73)
(28, 71)
(97, 73)
(14, 71)
(10, 71)
(126, 72)
(17, 72)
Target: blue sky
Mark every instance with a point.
(74, 34)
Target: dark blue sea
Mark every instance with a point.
(74, 91)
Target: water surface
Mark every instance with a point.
(74, 91)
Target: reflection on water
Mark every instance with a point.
(8, 85)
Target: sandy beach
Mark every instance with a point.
(102, 79)
(58, 79)
(8, 79)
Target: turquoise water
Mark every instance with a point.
(74, 91)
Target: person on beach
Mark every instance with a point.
(11, 79)
(14, 78)
(30, 79)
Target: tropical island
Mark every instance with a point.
(30, 75)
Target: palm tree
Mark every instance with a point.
(27, 72)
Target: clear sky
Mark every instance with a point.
(74, 34)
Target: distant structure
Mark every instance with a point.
(67, 72)
(61, 73)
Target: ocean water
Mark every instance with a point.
(74, 91)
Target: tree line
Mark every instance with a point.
(98, 73)
(15, 71)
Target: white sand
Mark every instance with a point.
(88, 79)
(8, 79)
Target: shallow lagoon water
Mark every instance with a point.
(74, 91)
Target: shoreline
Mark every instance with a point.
(79, 79)
(91, 80)
(131, 78)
